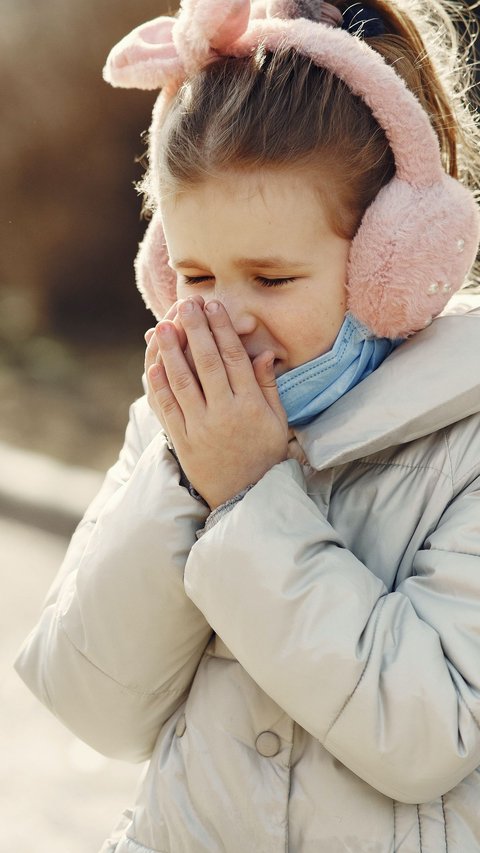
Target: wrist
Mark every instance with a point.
(218, 497)
(220, 503)
(184, 481)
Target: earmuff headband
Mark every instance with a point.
(417, 240)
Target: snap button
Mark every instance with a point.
(181, 726)
(267, 744)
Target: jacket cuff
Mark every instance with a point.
(184, 481)
(222, 510)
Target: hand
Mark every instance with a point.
(152, 354)
(227, 423)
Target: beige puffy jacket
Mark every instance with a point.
(305, 675)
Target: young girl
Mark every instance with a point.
(275, 597)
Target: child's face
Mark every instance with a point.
(233, 235)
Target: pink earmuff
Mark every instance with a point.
(417, 240)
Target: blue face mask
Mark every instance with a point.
(310, 388)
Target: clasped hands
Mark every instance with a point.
(221, 410)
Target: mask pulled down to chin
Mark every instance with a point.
(309, 389)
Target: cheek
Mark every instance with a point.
(312, 331)
(327, 307)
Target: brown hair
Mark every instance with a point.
(274, 110)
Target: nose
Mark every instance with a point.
(242, 314)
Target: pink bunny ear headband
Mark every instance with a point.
(417, 240)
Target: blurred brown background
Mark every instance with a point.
(71, 319)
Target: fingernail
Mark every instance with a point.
(211, 307)
(186, 306)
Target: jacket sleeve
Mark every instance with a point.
(118, 641)
(388, 682)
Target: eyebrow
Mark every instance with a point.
(268, 262)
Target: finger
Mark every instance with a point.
(168, 410)
(150, 340)
(173, 310)
(180, 378)
(151, 397)
(151, 350)
(265, 376)
(172, 314)
(191, 363)
(207, 359)
(152, 354)
(234, 356)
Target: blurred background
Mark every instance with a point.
(71, 360)
(71, 319)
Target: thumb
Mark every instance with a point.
(265, 376)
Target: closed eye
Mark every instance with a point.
(265, 282)
(273, 282)
(198, 279)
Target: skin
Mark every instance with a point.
(211, 374)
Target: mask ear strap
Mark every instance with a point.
(146, 58)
